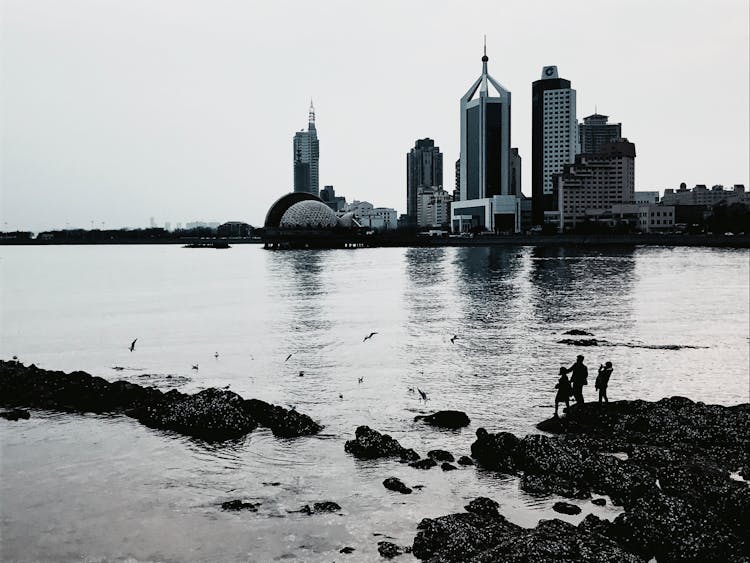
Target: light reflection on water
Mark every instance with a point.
(106, 487)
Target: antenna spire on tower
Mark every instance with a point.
(311, 115)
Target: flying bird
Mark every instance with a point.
(132, 345)
(369, 336)
(289, 356)
(216, 355)
(195, 366)
(453, 340)
(360, 380)
(118, 368)
(422, 394)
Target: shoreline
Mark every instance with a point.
(678, 468)
(400, 240)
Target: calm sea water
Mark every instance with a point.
(99, 488)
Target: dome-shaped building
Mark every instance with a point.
(309, 214)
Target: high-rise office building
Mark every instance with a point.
(595, 182)
(554, 137)
(595, 132)
(424, 169)
(485, 138)
(487, 202)
(306, 154)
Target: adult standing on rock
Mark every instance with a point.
(602, 380)
(579, 378)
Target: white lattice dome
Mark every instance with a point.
(309, 214)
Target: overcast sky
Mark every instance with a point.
(115, 111)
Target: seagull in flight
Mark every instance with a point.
(369, 336)
(289, 356)
(132, 345)
(360, 380)
(422, 394)
(216, 355)
(195, 367)
(453, 340)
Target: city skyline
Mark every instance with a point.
(98, 128)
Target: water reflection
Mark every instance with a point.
(583, 286)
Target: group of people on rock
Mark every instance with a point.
(573, 387)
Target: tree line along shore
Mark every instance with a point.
(679, 469)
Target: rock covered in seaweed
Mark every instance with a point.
(212, 414)
(371, 444)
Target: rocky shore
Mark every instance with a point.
(212, 414)
(675, 466)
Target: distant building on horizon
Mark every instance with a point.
(646, 196)
(595, 132)
(554, 137)
(486, 203)
(328, 195)
(424, 169)
(375, 218)
(306, 156)
(702, 195)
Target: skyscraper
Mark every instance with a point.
(554, 137)
(595, 133)
(424, 169)
(485, 138)
(487, 201)
(306, 154)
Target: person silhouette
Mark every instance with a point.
(563, 390)
(579, 378)
(602, 380)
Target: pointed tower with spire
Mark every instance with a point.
(485, 137)
(306, 156)
(487, 201)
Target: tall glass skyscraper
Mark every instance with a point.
(554, 137)
(485, 139)
(306, 154)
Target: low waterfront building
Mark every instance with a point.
(701, 195)
(646, 218)
(433, 207)
(375, 218)
(646, 196)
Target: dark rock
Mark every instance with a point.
(465, 460)
(239, 505)
(566, 508)
(15, 414)
(440, 455)
(483, 506)
(671, 529)
(347, 550)
(371, 444)
(484, 536)
(446, 419)
(445, 466)
(496, 451)
(579, 341)
(552, 484)
(395, 484)
(599, 501)
(212, 414)
(426, 463)
(390, 550)
(285, 423)
(320, 507)
(577, 332)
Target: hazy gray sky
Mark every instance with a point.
(115, 111)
